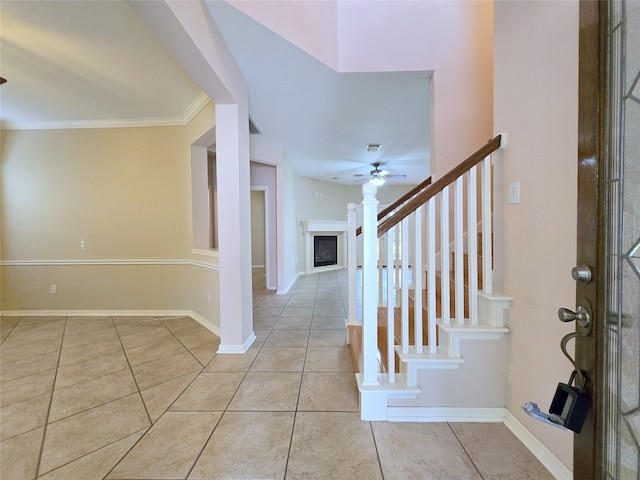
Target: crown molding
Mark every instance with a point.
(192, 110)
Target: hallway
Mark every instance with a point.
(147, 398)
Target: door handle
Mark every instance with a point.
(582, 315)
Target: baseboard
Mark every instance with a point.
(237, 349)
(445, 414)
(115, 313)
(205, 323)
(285, 290)
(558, 469)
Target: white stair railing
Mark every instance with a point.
(390, 286)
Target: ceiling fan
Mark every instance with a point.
(377, 176)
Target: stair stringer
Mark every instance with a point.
(374, 399)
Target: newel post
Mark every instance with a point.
(352, 263)
(369, 285)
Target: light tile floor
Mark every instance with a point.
(148, 398)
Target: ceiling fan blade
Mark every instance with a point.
(395, 176)
(383, 173)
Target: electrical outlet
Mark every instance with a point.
(209, 297)
(53, 289)
(514, 192)
(82, 244)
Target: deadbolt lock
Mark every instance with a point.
(581, 273)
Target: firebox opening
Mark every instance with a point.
(325, 250)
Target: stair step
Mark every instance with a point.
(439, 360)
(398, 389)
(453, 334)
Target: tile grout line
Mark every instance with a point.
(135, 381)
(11, 330)
(142, 398)
(226, 409)
(465, 450)
(53, 388)
(375, 445)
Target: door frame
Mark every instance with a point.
(589, 350)
(267, 260)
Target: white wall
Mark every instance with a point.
(289, 228)
(450, 38)
(536, 103)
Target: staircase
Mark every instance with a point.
(397, 335)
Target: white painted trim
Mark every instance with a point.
(237, 349)
(204, 265)
(446, 414)
(192, 110)
(267, 222)
(205, 323)
(124, 261)
(215, 329)
(552, 463)
(310, 229)
(57, 263)
(284, 291)
(452, 334)
(205, 252)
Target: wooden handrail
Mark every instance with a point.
(435, 188)
(411, 193)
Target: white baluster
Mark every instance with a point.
(487, 228)
(417, 277)
(352, 263)
(404, 311)
(445, 290)
(431, 273)
(379, 252)
(369, 287)
(472, 249)
(396, 258)
(391, 355)
(459, 249)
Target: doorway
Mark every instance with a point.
(260, 229)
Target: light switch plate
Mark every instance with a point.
(514, 192)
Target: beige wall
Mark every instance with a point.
(126, 192)
(536, 103)
(257, 228)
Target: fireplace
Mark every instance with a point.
(325, 245)
(325, 250)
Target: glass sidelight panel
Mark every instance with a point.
(621, 444)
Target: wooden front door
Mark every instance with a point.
(609, 238)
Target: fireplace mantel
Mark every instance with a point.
(323, 227)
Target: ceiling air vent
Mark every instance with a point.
(373, 147)
(253, 129)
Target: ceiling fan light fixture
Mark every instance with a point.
(377, 181)
(373, 147)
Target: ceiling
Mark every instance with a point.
(91, 64)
